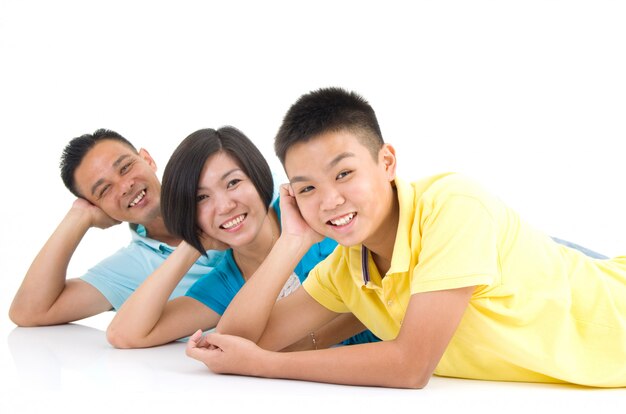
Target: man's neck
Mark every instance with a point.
(381, 243)
(156, 230)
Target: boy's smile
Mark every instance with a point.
(342, 191)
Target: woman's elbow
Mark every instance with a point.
(121, 340)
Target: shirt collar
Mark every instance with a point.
(401, 256)
(140, 235)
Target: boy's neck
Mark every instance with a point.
(381, 242)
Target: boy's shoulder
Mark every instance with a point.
(443, 186)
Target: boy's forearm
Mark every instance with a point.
(250, 309)
(381, 364)
(141, 312)
(45, 279)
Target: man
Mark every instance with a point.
(113, 183)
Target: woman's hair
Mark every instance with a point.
(182, 174)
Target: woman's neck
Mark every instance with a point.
(248, 258)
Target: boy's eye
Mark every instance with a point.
(343, 174)
(201, 197)
(306, 189)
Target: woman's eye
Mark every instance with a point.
(201, 197)
(232, 183)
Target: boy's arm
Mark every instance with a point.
(249, 312)
(148, 318)
(405, 362)
(45, 297)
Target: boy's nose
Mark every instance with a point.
(331, 199)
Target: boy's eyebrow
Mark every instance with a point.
(330, 165)
(116, 163)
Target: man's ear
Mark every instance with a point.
(145, 155)
(387, 158)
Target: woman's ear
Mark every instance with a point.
(145, 155)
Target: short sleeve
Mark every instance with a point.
(459, 245)
(321, 286)
(117, 276)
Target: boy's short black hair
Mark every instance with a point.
(181, 177)
(77, 148)
(328, 110)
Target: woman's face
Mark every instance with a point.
(229, 207)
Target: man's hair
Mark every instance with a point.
(77, 148)
(328, 110)
(182, 175)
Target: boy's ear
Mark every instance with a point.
(145, 155)
(387, 158)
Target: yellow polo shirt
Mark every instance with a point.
(541, 312)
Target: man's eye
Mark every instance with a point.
(125, 168)
(105, 189)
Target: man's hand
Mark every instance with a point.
(97, 217)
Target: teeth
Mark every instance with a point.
(343, 221)
(233, 222)
(137, 199)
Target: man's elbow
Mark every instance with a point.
(22, 317)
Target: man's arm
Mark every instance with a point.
(405, 362)
(45, 297)
(148, 318)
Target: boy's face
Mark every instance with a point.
(342, 192)
(121, 182)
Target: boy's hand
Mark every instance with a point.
(292, 221)
(225, 354)
(97, 217)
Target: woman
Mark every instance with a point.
(216, 193)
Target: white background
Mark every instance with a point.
(528, 97)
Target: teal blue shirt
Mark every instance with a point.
(217, 289)
(117, 276)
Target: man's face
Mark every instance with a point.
(120, 182)
(341, 191)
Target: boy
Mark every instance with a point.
(113, 182)
(451, 279)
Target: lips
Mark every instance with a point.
(234, 222)
(342, 220)
(137, 199)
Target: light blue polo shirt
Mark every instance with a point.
(117, 276)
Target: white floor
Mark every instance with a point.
(74, 369)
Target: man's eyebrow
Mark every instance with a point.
(116, 163)
(331, 164)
